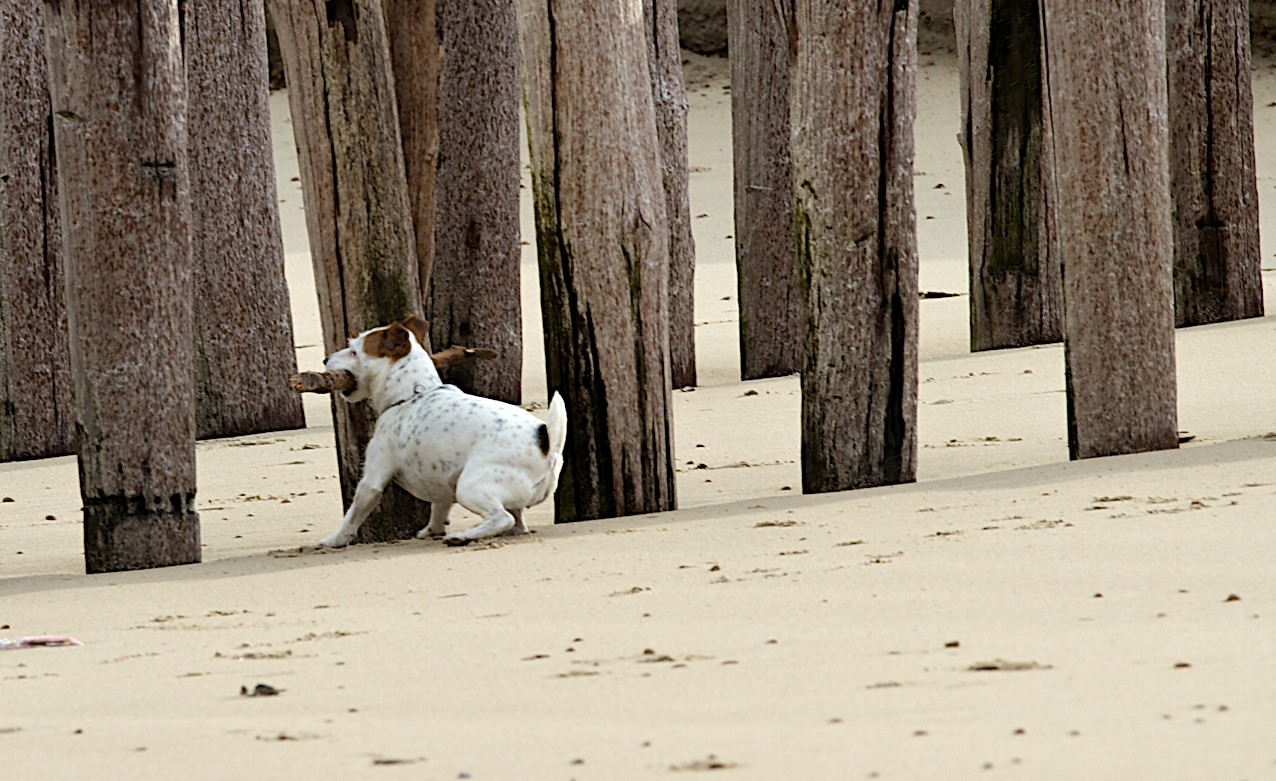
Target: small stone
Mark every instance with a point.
(260, 690)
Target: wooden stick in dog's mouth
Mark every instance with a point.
(322, 382)
(344, 381)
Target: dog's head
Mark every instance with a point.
(372, 354)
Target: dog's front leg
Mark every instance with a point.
(365, 501)
(366, 496)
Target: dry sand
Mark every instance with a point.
(1009, 615)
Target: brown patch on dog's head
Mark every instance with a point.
(420, 328)
(390, 342)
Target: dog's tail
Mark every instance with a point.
(552, 436)
(556, 421)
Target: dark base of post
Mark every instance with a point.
(129, 532)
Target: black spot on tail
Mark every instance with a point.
(542, 438)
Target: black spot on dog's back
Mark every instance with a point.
(542, 438)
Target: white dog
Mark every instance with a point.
(442, 444)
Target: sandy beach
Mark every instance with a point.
(1010, 615)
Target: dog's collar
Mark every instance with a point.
(417, 392)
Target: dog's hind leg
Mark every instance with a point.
(476, 499)
(520, 526)
(438, 521)
(496, 520)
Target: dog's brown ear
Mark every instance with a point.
(420, 328)
(390, 342)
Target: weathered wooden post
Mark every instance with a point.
(119, 102)
(854, 98)
(765, 246)
(1217, 258)
(473, 296)
(1106, 89)
(37, 413)
(604, 252)
(664, 58)
(340, 88)
(244, 348)
(1016, 283)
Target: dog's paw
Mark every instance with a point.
(429, 533)
(455, 541)
(334, 541)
